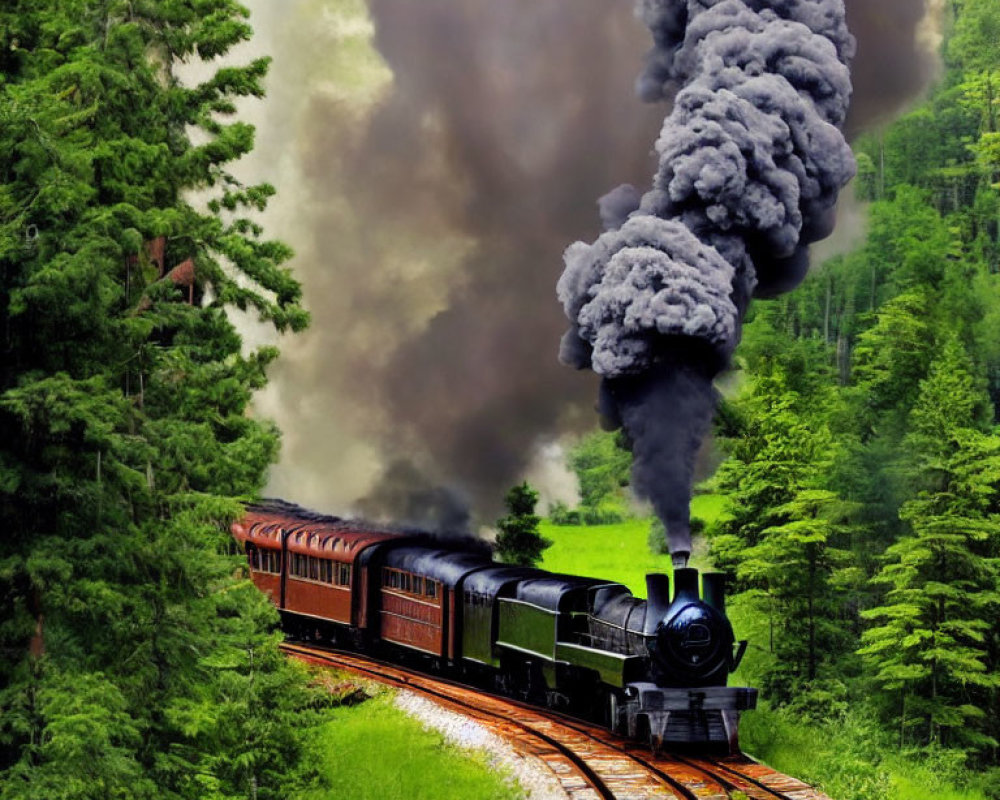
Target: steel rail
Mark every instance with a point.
(794, 789)
(337, 658)
(722, 771)
(673, 770)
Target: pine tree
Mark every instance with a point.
(785, 541)
(802, 569)
(930, 640)
(518, 539)
(135, 660)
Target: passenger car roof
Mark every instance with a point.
(308, 533)
(490, 581)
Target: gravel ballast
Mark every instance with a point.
(531, 774)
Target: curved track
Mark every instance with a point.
(590, 762)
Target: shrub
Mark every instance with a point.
(561, 514)
(658, 534)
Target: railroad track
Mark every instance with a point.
(590, 762)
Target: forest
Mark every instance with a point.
(133, 654)
(859, 475)
(863, 469)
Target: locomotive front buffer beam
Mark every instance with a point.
(676, 716)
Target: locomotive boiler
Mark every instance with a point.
(653, 669)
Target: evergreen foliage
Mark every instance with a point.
(518, 540)
(930, 643)
(862, 476)
(136, 660)
(785, 540)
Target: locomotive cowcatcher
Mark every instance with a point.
(652, 669)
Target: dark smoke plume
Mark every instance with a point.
(432, 158)
(751, 160)
(404, 498)
(438, 219)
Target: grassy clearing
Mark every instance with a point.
(619, 552)
(709, 507)
(374, 752)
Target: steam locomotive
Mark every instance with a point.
(651, 669)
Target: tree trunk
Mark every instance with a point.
(811, 550)
(770, 622)
(902, 719)
(871, 301)
(881, 167)
(826, 310)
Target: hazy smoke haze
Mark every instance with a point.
(433, 158)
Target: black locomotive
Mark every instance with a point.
(652, 669)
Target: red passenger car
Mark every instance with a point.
(309, 563)
(373, 584)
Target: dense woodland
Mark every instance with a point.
(864, 469)
(133, 655)
(864, 450)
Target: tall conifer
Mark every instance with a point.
(134, 660)
(929, 642)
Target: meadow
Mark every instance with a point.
(619, 552)
(373, 751)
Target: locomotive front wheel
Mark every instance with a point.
(536, 690)
(610, 713)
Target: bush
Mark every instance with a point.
(658, 534)
(605, 514)
(849, 757)
(602, 515)
(842, 757)
(561, 514)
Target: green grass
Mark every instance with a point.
(849, 759)
(620, 552)
(709, 507)
(616, 552)
(374, 752)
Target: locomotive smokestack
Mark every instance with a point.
(750, 163)
(686, 584)
(714, 590)
(657, 601)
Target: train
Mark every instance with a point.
(652, 669)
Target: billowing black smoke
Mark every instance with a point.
(428, 216)
(751, 160)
